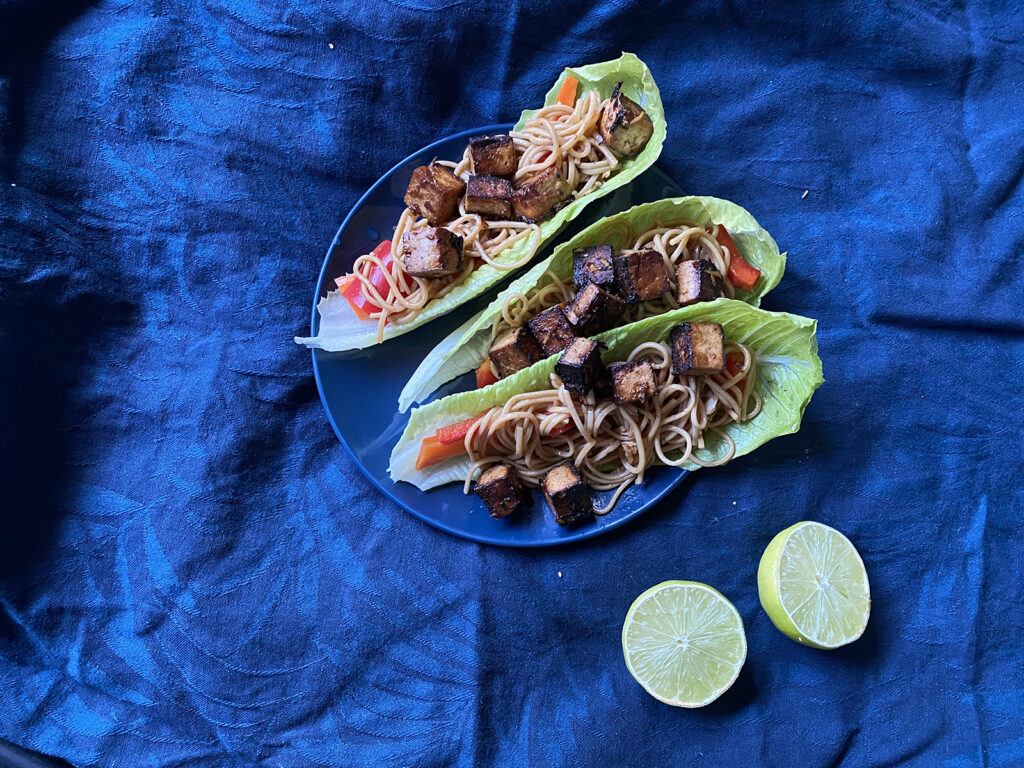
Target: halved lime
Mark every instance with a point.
(684, 643)
(813, 586)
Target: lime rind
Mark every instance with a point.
(814, 587)
(684, 643)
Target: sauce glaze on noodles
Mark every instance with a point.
(683, 242)
(556, 135)
(612, 446)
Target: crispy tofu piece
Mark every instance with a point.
(489, 196)
(641, 276)
(624, 125)
(542, 195)
(566, 494)
(632, 382)
(580, 366)
(493, 155)
(434, 193)
(697, 348)
(594, 310)
(514, 350)
(593, 265)
(698, 280)
(431, 252)
(500, 490)
(552, 330)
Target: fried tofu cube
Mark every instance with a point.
(624, 125)
(514, 350)
(431, 252)
(593, 265)
(697, 348)
(641, 276)
(697, 280)
(566, 494)
(493, 155)
(580, 367)
(594, 310)
(632, 382)
(500, 490)
(434, 193)
(489, 196)
(542, 195)
(552, 330)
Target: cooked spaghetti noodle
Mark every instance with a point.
(611, 445)
(559, 135)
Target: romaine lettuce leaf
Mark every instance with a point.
(788, 372)
(339, 328)
(466, 348)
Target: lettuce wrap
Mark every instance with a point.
(341, 330)
(788, 372)
(465, 349)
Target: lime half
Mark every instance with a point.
(684, 643)
(813, 586)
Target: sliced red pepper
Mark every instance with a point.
(354, 295)
(353, 289)
(741, 273)
(454, 433)
(734, 363)
(484, 375)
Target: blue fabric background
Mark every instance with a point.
(192, 571)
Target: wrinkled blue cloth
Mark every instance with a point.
(194, 573)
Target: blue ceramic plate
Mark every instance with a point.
(360, 389)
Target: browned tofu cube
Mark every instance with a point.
(593, 265)
(580, 366)
(552, 330)
(632, 382)
(641, 276)
(434, 193)
(697, 349)
(514, 350)
(431, 252)
(500, 490)
(594, 310)
(489, 196)
(566, 494)
(624, 125)
(542, 195)
(698, 280)
(493, 155)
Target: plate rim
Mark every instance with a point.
(575, 536)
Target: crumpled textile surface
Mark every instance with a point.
(194, 573)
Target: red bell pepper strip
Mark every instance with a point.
(741, 273)
(734, 363)
(353, 288)
(484, 375)
(455, 433)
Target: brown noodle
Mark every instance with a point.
(555, 135)
(612, 446)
